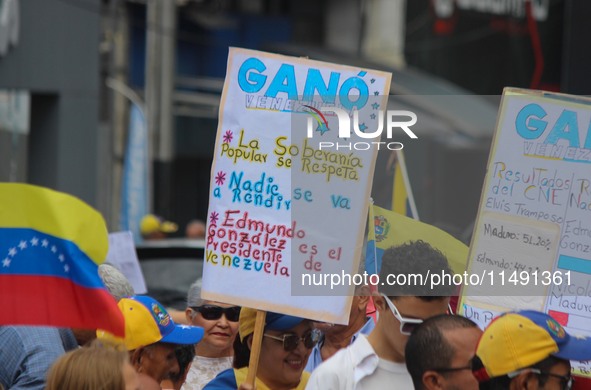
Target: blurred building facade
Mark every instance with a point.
(68, 52)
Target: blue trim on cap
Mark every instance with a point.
(184, 334)
(171, 332)
(569, 347)
(275, 321)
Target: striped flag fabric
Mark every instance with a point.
(51, 244)
(387, 228)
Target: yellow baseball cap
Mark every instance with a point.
(147, 322)
(518, 340)
(151, 223)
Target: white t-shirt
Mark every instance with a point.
(358, 367)
(203, 370)
(388, 375)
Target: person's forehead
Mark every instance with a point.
(414, 307)
(561, 368)
(163, 348)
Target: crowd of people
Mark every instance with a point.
(415, 343)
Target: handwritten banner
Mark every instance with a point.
(534, 221)
(284, 204)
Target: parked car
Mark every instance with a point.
(170, 266)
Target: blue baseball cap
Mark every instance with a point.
(273, 321)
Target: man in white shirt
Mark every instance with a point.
(378, 360)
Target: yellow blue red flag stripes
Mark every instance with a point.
(51, 245)
(387, 228)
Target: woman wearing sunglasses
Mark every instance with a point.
(215, 352)
(286, 346)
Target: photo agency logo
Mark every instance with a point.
(347, 128)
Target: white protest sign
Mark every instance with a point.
(284, 203)
(532, 237)
(123, 256)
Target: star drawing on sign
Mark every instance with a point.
(373, 116)
(34, 241)
(220, 178)
(362, 127)
(228, 136)
(372, 81)
(322, 128)
(213, 218)
(375, 106)
(6, 262)
(376, 93)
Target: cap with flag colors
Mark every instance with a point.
(51, 244)
(147, 322)
(518, 340)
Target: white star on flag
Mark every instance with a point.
(54, 249)
(22, 245)
(6, 262)
(34, 241)
(66, 268)
(580, 337)
(12, 252)
(44, 243)
(61, 257)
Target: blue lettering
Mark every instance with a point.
(345, 93)
(568, 119)
(247, 264)
(249, 81)
(284, 81)
(533, 128)
(314, 82)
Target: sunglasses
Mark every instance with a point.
(407, 325)
(566, 381)
(212, 312)
(291, 341)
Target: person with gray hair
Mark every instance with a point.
(214, 353)
(117, 284)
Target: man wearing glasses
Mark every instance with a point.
(527, 350)
(378, 360)
(439, 353)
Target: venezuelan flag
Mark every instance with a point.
(387, 228)
(51, 245)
